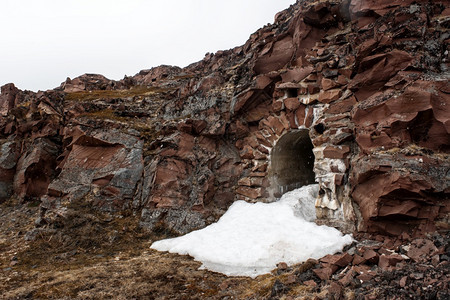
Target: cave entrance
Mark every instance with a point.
(291, 162)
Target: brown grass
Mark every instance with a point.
(93, 255)
(113, 94)
(145, 127)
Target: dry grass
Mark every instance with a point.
(113, 94)
(151, 275)
(144, 126)
(92, 255)
(105, 114)
(416, 150)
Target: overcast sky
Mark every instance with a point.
(45, 41)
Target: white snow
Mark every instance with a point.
(250, 239)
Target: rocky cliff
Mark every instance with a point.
(353, 93)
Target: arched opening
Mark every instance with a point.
(291, 163)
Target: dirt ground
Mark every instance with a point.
(81, 254)
(96, 256)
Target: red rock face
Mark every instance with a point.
(8, 98)
(419, 115)
(90, 82)
(274, 56)
(396, 192)
(107, 165)
(9, 156)
(367, 79)
(35, 169)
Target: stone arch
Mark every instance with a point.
(291, 162)
(296, 110)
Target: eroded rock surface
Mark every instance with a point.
(367, 79)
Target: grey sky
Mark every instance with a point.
(45, 41)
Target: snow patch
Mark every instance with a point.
(250, 239)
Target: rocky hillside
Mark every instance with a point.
(362, 85)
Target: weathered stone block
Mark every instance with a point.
(253, 193)
(330, 95)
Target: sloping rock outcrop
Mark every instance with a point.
(368, 81)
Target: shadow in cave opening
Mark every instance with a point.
(292, 163)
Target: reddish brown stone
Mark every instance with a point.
(251, 141)
(336, 152)
(198, 126)
(340, 260)
(259, 112)
(270, 136)
(276, 125)
(291, 103)
(288, 86)
(310, 283)
(309, 117)
(290, 279)
(381, 193)
(346, 72)
(333, 267)
(379, 7)
(263, 149)
(262, 139)
(253, 193)
(8, 100)
(242, 99)
(339, 179)
(280, 54)
(262, 82)
(342, 80)
(171, 172)
(347, 279)
(291, 117)
(258, 181)
(311, 78)
(371, 256)
(313, 88)
(365, 277)
(300, 114)
(336, 290)
(284, 120)
(241, 129)
(360, 269)
(259, 156)
(321, 139)
(282, 266)
(296, 75)
(328, 84)
(35, 169)
(260, 167)
(387, 261)
(375, 70)
(277, 105)
(330, 95)
(247, 152)
(403, 281)
(323, 273)
(245, 181)
(342, 106)
(258, 174)
(421, 249)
